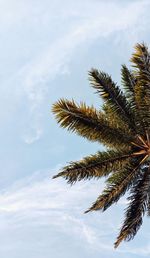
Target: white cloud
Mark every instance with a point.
(29, 138)
(56, 209)
(40, 201)
(35, 79)
(49, 62)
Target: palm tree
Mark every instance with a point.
(123, 127)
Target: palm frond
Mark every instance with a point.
(112, 95)
(89, 123)
(94, 166)
(115, 121)
(128, 81)
(117, 184)
(141, 62)
(136, 208)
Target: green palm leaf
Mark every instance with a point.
(115, 121)
(137, 207)
(89, 123)
(128, 81)
(94, 166)
(117, 184)
(141, 62)
(112, 95)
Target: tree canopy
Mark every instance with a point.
(123, 127)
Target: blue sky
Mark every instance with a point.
(46, 50)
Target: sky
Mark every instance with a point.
(47, 48)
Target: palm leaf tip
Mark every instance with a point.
(60, 174)
(141, 56)
(55, 176)
(87, 211)
(117, 243)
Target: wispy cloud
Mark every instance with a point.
(55, 209)
(37, 200)
(34, 78)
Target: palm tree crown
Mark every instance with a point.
(123, 126)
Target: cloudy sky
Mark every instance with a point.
(46, 49)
